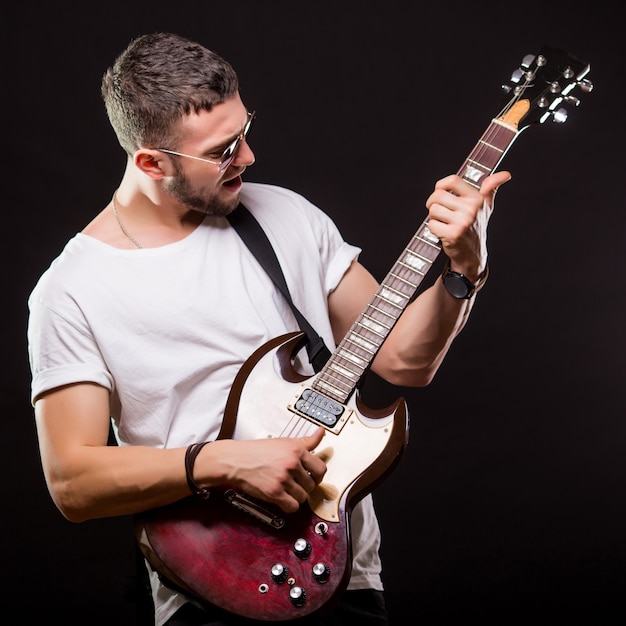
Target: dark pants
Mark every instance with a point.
(364, 607)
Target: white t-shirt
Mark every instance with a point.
(167, 329)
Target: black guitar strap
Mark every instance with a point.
(255, 238)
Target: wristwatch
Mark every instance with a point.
(459, 286)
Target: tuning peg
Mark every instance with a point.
(559, 116)
(573, 100)
(543, 102)
(585, 85)
(517, 75)
(527, 61)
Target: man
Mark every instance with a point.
(149, 313)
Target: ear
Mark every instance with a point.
(152, 163)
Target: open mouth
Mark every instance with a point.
(233, 182)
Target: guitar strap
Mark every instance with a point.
(255, 238)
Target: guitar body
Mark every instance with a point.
(218, 554)
(249, 557)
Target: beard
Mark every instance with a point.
(203, 201)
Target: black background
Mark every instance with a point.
(509, 502)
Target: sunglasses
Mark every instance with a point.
(228, 155)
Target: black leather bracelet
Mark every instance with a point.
(190, 458)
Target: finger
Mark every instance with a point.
(315, 469)
(294, 492)
(288, 503)
(300, 489)
(307, 481)
(449, 183)
(491, 183)
(312, 441)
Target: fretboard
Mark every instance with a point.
(345, 368)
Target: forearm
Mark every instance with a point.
(417, 345)
(105, 481)
(89, 479)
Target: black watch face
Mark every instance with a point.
(457, 286)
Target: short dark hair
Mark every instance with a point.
(156, 81)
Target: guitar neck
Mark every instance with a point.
(345, 368)
(536, 88)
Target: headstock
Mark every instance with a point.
(542, 83)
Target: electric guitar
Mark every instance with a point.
(250, 558)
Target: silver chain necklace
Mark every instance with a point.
(121, 225)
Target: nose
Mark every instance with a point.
(244, 154)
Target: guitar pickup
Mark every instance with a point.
(320, 409)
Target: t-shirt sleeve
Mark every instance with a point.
(343, 258)
(61, 349)
(336, 254)
(319, 244)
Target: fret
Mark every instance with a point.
(408, 267)
(379, 330)
(360, 341)
(352, 359)
(413, 260)
(431, 242)
(377, 324)
(387, 303)
(471, 182)
(351, 356)
(394, 299)
(408, 277)
(338, 381)
(332, 391)
(400, 283)
(490, 146)
(381, 311)
(341, 384)
(430, 238)
(342, 371)
(478, 164)
(338, 384)
(387, 287)
(404, 280)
